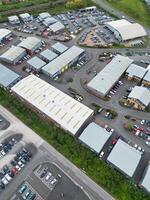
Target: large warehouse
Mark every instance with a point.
(146, 179)
(63, 62)
(58, 106)
(124, 30)
(124, 157)
(13, 55)
(102, 83)
(4, 34)
(94, 137)
(31, 44)
(7, 77)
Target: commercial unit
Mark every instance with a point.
(94, 137)
(56, 27)
(68, 113)
(145, 183)
(49, 21)
(35, 63)
(43, 16)
(14, 20)
(26, 17)
(7, 77)
(63, 62)
(135, 72)
(59, 48)
(125, 158)
(102, 83)
(13, 55)
(146, 79)
(124, 30)
(4, 34)
(31, 44)
(139, 97)
(48, 55)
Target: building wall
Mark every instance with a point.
(136, 104)
(146, 83)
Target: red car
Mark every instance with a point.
(14, 170)
(114, 141)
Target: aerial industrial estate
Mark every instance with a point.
(87, 73)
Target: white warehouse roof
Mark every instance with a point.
(127, 30)
(140, 93)
(147, 76)
(136, 70)
(56, 27)
(107, 77)
(146, 180)
(95, 137)
(63, 109)
(36, 62)
(4, 33)
(64, 59)
(29, 43)
(125, 157)
(44, 15)
(48, 54)
(59, 47)
(12, 53)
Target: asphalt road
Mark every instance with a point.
(48, 153)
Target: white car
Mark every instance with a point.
(147, 143)
(101, 154)
(20, 164)
(142, 122)
(18, 168)
(53, 181)
(4, 180)
(112, 130)
(3, 153)
(8, 177)
(48, 176)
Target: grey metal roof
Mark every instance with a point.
(136, 70)
(44, 15)
(141, 93)
(146, 180)
(95, 137)
(59, 47)
(61, 61)
(56, 27)
(125, 157)
(36, 62)
(48, 54)
(13, 53)
(7, 76)
(147, 76)
(4, 32)
(107, 77)
(29, 43)
(49, 20)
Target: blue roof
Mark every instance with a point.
(36, 62)
(7, 76)
(48, 54)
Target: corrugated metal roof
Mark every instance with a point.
(56, 27)
(36, 62)
(4, 32)
(147, 76)
(146, 180)
(48, 54)
(29, 43)
(95, 137)
(59, 47)
(7, 76)
(108, 76)
(61, 61)
(125, 157)
(136, 70)
(141, 93)
(63, 109)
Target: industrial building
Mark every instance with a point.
(94, 137)
(139, 97)
(49, 21)
(145, 183)
(13, 55)
(43, 16)
(135, 72)
(26, 17)
(31, 44)
(59, 48)
(124, 30)
(56, 27)
(48, 55)
(146, 79)
(7, 77)
(63, 62)
(4, 34)
(125, 158)
(14, 20)
(35, 63)
(102, 83)
(68, 113)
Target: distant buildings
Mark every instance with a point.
(35, 63)
(145, 183)
(139, 97)
(124, 30)
(14, 20)
(146, 79)
(26, 17)
(59, 48)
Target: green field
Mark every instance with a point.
(137, 9)
(100, 172)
